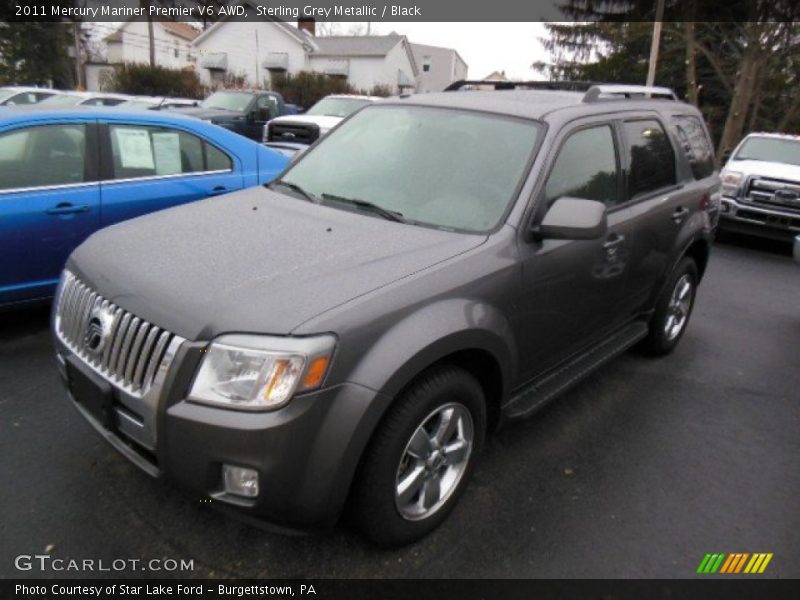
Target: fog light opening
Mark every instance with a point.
(240, 481)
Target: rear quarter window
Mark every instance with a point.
(695, 143)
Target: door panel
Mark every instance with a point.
(49, 204)
(572, 291)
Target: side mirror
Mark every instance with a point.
(573, 219)
(252, 115)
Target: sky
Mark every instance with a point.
(486, 47)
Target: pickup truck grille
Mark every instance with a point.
(300, 133)
(774, 192)
(126, 350)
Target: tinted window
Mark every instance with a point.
(696, 144)
(586, 167)
(652, 161)
(42, 156)
(447, 168)
(140, 151)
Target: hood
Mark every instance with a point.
(253, 261)
(210, 114)
(764, 169)
(324, 122)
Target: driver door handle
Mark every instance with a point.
(66, 208)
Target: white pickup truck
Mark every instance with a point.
(307, 128)
(761, 187)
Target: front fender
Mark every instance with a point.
(414, 343)
(430, 334)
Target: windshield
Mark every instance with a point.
(137, 104)
(6, 94)
(770, 149)
(337, 107)
(227, 101)
(61, 100)
(447, 168)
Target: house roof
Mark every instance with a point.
(357, 45)
(300, 36)
(181, 30)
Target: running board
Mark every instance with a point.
(546, 387)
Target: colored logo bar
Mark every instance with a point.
(736, 562)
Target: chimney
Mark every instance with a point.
(307, 25)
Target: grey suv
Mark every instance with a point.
(349, 335)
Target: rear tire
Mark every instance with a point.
(420, 458)
(673, 309)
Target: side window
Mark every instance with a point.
(267, 107)
(43, 156)
(652, 161)
(695, 143)
(217, 159)
(586, 167)
(142, 151)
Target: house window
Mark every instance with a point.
(426, 63)
(177, 50)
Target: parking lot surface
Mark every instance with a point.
(639, 471)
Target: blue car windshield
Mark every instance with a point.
(447, 168)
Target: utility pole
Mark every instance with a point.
(651, 69)
(80, 80)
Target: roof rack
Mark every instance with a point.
(569, 86)
(596, 93)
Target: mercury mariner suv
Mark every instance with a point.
(349, 334)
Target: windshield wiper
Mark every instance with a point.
(391, 215)
(296, 188)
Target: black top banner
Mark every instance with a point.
(398, 10)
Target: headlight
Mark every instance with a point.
(731, 180)
(252, 372)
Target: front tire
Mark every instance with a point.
(673, 309)
(421, 457)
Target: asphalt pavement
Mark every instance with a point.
(640, 471)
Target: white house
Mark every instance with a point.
(256, 49)
(172, 42)
(438, 67)
(130, 44)
(367, 61)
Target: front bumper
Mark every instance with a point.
(773, 223)
(305, 453)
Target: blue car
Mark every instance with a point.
(64, 174)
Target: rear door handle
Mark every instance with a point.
(680, 214)
(613, 241)
(65, 208)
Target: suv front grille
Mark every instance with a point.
(774, 192)
(300, 133)
(126, 350)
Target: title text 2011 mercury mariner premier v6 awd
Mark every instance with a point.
(351, 333)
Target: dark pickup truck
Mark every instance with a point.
(243, 112)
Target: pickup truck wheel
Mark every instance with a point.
(420, 458)
(673, 310)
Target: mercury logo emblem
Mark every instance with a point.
(97, 331)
